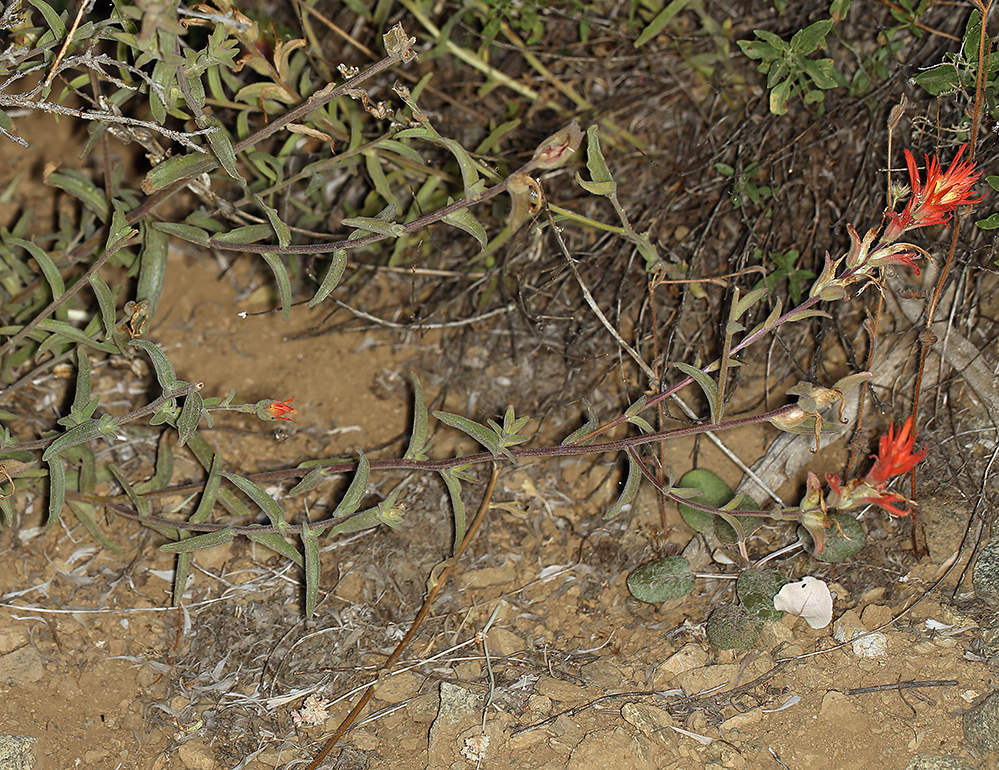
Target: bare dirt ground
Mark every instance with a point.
(573, 672)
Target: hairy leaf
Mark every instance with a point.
(264, 501)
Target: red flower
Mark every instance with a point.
(933, 202)
(278, 409)
(895, 456)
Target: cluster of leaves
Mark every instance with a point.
(267, 130)
(792, 72)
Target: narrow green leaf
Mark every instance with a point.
(312, 479)
(264, 501)
(246, 234)
(152, 266)
(164, 174)
(418, 438)
(105, 301)
(51, 18)
(708, 385)
(283, 281)
(378, 178)
(184, 232)
(591, 424)
(195, 88)
(743, 304)
(163, 80)
(333, 276)
(119, 230)
(659, 23)
(355, 492)
(204, 509)
(227, 499)
(463, 220)
(81, 434)
(310, 547)
(82, 188)
(469, 170)
(480, 433)
(197, 543)
(453, 484)
(642, 424)
(57, 488)
(490, 145)
(604, 189)
(630, 490)
(366, 519)
(64, 332)
(280, 228)
(774, 315)
(375, 225)
(88, 468)
(210, 493)
(278, 544)
(221, 145)
(165, 375)
(595, 162)
(190, 416)
(45, 263)
(81, 399)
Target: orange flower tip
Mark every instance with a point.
(278, 409)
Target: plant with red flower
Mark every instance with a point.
(895, 457)
(932, 203)
(277, 410)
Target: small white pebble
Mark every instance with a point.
(873, 645)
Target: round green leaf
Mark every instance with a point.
(733, 628)
(842, 541)
(715, 494)
(661, 580)
(757, 589)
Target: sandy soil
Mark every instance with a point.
(575, 673)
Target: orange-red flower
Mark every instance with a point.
(278, 409)
(895, 455)
(932, 203)
(894, 458)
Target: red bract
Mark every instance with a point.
(278, 409)
(885, 500)
(932, 203)
(895, 456)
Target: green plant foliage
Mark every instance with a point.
(714, 494)
(843, 539)
(787, 66)
(734, 529)
(756, 590)
(744, 188)
(959, 73)
(661, 580)
(797, 278)
(733, 627)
